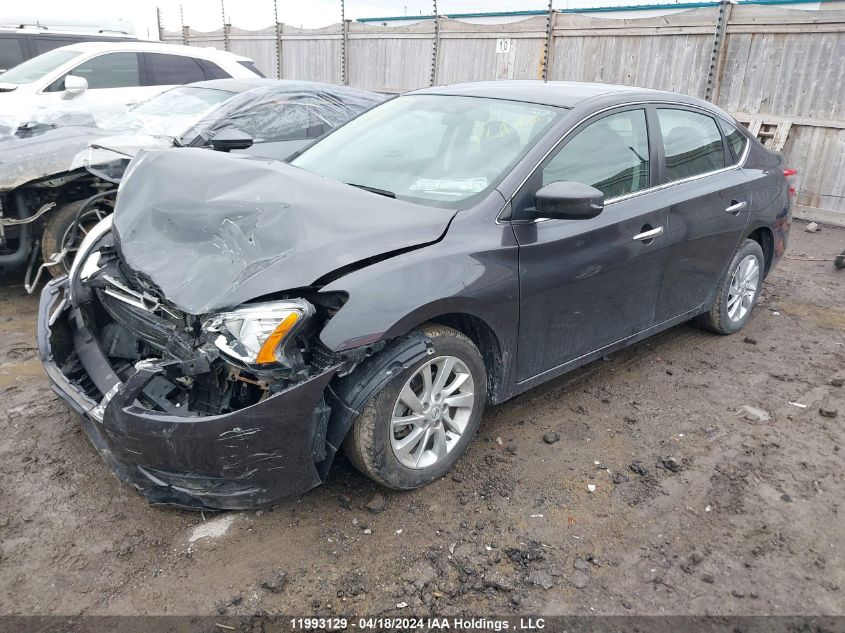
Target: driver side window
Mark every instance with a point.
(610, 154)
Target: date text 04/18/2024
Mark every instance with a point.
(408, 623)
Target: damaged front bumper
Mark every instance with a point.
(245, 459)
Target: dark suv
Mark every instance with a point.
(240, 320)
(25, 42)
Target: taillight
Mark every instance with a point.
(788, 173)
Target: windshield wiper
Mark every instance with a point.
(381, 192)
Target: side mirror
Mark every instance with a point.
(230, 138)
(566, 200)
(75, 85)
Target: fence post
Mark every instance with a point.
(717, 55)
(345, 52)
(279, 29)
(226, 27)
(435, 47)
(184, 28)
(548, 51)
(158, 24)
(343, 40)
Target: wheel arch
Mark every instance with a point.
(765, 238)
(406, 344)
(485, 339)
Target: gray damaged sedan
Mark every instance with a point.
(238, 320)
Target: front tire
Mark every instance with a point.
(739, 291)
(415, 429)
(59, 232)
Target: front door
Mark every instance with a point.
(585, 284)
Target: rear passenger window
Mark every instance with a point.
(610, 154)
(10, 53)
(736, 141)
(112, 70)
(692, 143)
(170, 70)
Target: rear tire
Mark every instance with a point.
(738, 291)
(442, 421)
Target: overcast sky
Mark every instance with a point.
(205, 15)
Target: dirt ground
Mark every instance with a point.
(726, 515)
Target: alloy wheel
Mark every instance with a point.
(72, 240)
(743, 288)
(432, 412)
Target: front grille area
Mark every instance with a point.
(163, 334)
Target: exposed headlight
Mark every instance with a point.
(258, 334)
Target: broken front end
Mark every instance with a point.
(221, 411)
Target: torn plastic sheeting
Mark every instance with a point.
(306, 105)
(59, 113)
(214, 230)
(50, 153)
(58, 144)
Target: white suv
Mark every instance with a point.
(97, 79)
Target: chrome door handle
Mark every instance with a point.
(649, 235)
(736, 207)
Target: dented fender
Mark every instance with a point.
(471, 272)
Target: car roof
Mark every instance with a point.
(565, 94)
(243, 84)
(153, 47)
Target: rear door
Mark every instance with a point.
(585, 284)
(709, 199)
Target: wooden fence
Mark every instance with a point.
(781, 71)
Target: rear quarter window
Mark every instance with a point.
(212, 70)
(251, 66)
(737, 141)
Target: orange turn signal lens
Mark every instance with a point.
(267, 353)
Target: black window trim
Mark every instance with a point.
(504, 213)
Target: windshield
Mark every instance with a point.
(173, 113)
(37, 67)
(437, 150)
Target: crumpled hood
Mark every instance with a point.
(214, 230)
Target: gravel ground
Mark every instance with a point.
(695, 509)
